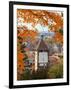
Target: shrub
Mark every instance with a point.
(26, 75)
(39, 74)
(55, 71)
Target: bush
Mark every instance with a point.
(26, 75)
(39, 74)
(55, 71)
(52, 72)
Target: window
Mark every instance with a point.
(43, 58)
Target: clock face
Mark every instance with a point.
(43, 58)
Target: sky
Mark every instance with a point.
(43, 30)
(39, 27)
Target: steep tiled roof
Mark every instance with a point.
(42, 46)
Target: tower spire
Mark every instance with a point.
(42, 37)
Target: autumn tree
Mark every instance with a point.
(54, 20)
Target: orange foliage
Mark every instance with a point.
(58, 37)
(42, 17)
(57, 19)
(20, 64)
(28, 34)
(20, 67)
(20, 56)
(34, 17)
